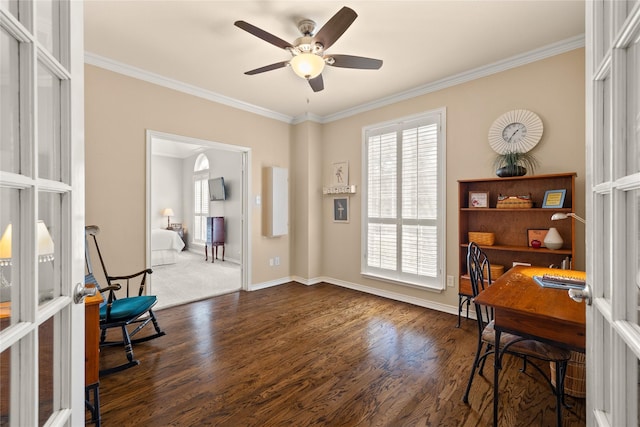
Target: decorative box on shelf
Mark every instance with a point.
(339, 189)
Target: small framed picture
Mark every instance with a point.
(341, 209)
(536, 234)
(478, 199)
(554, 199)
(340, 174)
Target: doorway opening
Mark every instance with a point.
(177, 199)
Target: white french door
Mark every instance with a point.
(41, 212)
(613, 211)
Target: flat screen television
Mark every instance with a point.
(216, 189)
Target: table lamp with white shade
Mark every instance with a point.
(168, 212)
(45, 248)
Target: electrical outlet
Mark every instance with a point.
(277, 260)
(450, 281)
(270, 262)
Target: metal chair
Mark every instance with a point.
(124, 312)
(478, 266)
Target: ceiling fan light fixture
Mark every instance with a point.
(307, 65)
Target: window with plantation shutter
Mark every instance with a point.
(200, 198)
(403, 201)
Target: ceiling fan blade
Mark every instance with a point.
(335, 27)
(316, 83)
(267, 68)
(262, 34)
(360, 62)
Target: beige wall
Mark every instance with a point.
(119, 109)
(553, 88)
(306, 201)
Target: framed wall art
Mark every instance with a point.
(478, 199)
(554, 199)
(340, 173)
(341, 209)
(536, 234)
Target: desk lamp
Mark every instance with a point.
(559, 215)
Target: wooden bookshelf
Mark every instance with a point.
(511, 225)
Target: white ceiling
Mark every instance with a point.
(421, 42)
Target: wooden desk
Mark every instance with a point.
(523, 307)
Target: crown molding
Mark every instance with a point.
(140, 74)
(307, 117)
(484, 71)
(467, 76)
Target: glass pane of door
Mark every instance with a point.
(48, 25)
(633, 148)
(9, 103)
(46, 359)
(5, 379)
(48, 244)
(49, 130)
(9, 249)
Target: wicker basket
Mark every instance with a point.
(496, 271)
(575, 377)
(482, 238)
(514, 202)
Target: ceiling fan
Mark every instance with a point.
(308, 52)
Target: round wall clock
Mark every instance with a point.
(515, 131)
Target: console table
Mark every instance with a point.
(215, 237)
(91, 354)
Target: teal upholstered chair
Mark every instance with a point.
(121, 312)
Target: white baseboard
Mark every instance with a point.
(421, 302)
(269, 284)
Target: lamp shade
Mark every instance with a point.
(5, 243)
(45, 242)
(307, 65)
(167, 212)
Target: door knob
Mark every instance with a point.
(579, 294)
(81, 291)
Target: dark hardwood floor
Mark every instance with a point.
(317, 355)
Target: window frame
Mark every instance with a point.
(437, 283)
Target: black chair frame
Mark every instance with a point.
(477, 265)
(107, 322)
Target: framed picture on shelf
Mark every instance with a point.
(554, 199)
(341, 209)
(536, 234)
(478, 199)
(340, 174)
